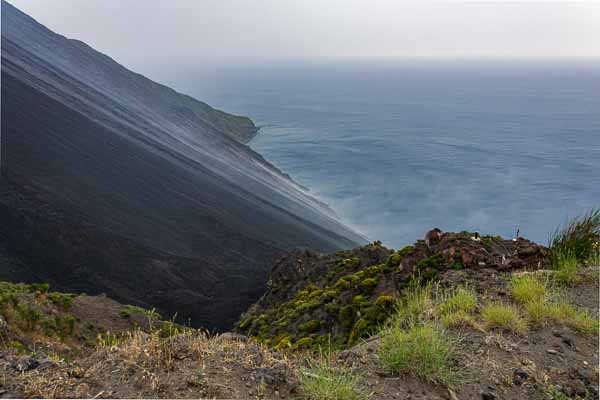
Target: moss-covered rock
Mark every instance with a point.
(330, 294)
(309, 326)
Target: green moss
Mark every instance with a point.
(342, 284)
(369, 284)
(361, 328)
(360, 300)
(332, 308)
(331, 274)
(246, 322)
(329, 295)
(435, 262)
(351, 262)
(373, 270)
(309, 326)
(284, 343)
(347, 314)
(427, 269)
(302, 306)
(396, 258)
(305, 293)
(315, 294)
(357, 276)
(304, 343)
(405, 250)
(385, 301)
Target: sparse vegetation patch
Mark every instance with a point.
(323, 380)
(503, 316)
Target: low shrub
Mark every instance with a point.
(65, 300)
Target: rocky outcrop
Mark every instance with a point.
(313, 299)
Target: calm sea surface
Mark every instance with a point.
(399, 148)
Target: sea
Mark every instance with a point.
(398, 147)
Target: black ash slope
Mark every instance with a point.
(131, 163)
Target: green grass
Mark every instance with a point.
(575, 243)
(322, 380)
(415, 303)
(565, 265)
(537, 312)
(594, 259)
(544, 303)
(558, 311)
(455, 308)
(127, 310)
(65, 300)
(458, 319)
(556, 394)
(460, 300)
(579, 237)
(422, 350)
(503, 316)
(528, 288)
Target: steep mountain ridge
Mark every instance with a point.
(136, 160)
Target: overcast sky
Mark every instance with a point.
(143, 33)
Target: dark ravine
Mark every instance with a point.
(114, 183)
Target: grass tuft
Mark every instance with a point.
(578, 319)
(565, 265)
(422, 350)
(540, 313)
(458, 319)
(455, 308)
(579, 237)
(322, 380)
(415, 304)
(460, 300)
(528, 288)
(503, 316)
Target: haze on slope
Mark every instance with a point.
(143, 162)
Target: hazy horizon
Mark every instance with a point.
(186, 35)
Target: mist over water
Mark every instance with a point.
(399, 148)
